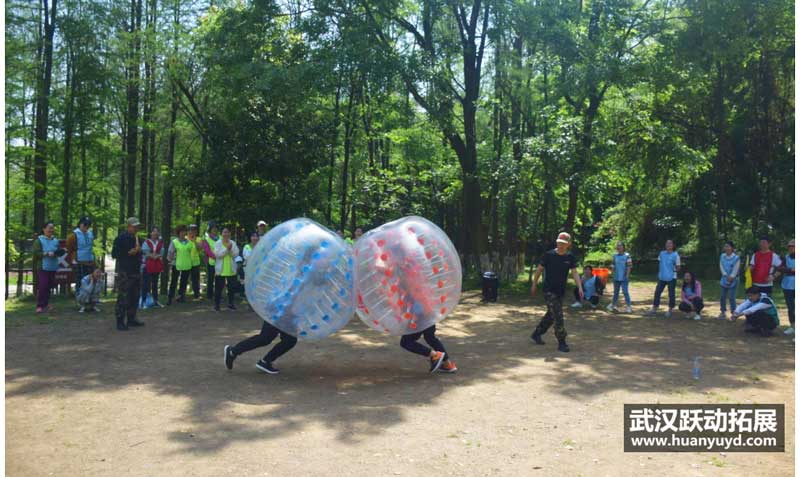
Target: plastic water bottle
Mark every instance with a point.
(696, 369)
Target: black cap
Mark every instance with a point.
(753, 291)
(85, 220)
(764, 237)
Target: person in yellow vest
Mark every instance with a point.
(196, 262)
(225, 253)
(180, 256)
(209, 240)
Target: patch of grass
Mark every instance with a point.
(717, 462)
(22, 311)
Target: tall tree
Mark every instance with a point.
(132, 140)
(428, 76)
(45, 66)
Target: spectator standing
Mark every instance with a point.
(80, 246)
(127, 251)
(729, 264)
(45, 254)
(763, 265)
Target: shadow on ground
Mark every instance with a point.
(359, 383)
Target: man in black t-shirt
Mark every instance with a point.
(127, 251)
(557, 265)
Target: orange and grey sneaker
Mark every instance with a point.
(436, 360)
(448, 367)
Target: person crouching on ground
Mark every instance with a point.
(88, 295)
(691, 296)
(592, 288)
(557, 264)
(225, 250)
(759, 311)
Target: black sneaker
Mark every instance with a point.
(537, 338)
(121, 326)
(562, 346)
(229, 357)
(765, 332)
(134, 322)
(216, 307)
(266, 367)
(231, 306)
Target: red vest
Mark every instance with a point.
(762, 267)
(152, 265)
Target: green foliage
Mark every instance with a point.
(634, 120)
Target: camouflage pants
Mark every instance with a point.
(128, 291)
(554, 315)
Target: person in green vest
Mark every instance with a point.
(225, 253)
(196, 262)
(209, 240)
(180, 256)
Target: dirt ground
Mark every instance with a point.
(83, 399)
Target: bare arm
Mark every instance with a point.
(578, 282)
(536, 276)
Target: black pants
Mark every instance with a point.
(697, 303)
(593, 300)
(150, 286)
(660, 289)
(194, 274)
(221, 282)
(788, 295)
(173, 282)
(760, 320)
(409, 342)
(268, 333)
(128, 290)
(767, 290)
(554, 317)
(210, 282)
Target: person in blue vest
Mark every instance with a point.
(761, 315)
(621, 266)
(80, 246)
(669, 262)
(46, 253)
(592, 289)
(729, 265)
(787, 284)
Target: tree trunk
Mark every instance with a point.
(69, 128)
(512, 215)
(42, 116)
(332, 164)
(151, 100)
(133, 104)
(348, 133)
